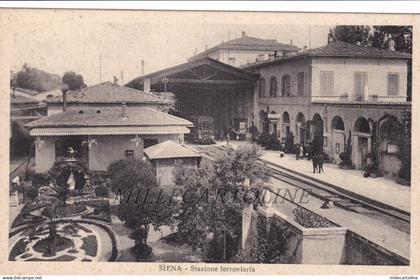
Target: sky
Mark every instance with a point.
(75, 43)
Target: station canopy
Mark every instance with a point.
(203, 73)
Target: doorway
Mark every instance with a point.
(363, 151)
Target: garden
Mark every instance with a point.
(60, 223)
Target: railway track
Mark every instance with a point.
(333, 195)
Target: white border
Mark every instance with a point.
(407, 7)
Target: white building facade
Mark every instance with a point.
(333, 93)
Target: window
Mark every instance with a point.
(393, 84)
(273, 87)
(261, 87)
(285, 85)
(360, 82)
(59, 149)
(300, 83)
(326, 83)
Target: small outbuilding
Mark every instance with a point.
(163, 157)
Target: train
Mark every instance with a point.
(203, 131)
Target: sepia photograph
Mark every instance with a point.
(203, 142)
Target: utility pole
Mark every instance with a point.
(122, 78)
(310, 35)
(100, 68)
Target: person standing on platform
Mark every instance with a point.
(297, 151)
(228, 137)
(253, 130)
(315, 163)
(320, 163)
(301, 151)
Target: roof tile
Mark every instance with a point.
(110, 117)
(169, 149)
(108, 92)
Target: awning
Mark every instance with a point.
(69, 131)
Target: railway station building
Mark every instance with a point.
(336, 92)
(206, 87)
(103, 123)
(98, 138)
(107, 95)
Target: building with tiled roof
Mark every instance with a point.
(23, 109)
(32, 94)
(100, 137)
(333, 95)
(107, 95)
(246, 49)
(335, 50)
(163, 157)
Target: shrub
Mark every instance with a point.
(127, 174)
(32, 193)
(40, 180)
(101, 191)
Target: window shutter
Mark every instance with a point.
(301, 82)
(326, 83)
(393, 84)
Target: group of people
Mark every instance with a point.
(300, 151)
(317, 157)
(318, 162)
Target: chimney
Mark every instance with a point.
(142, 67)
(291, 42)
(115, 80)
(123, 111)
(305, 49)
(206, 47)
(146, 85)
(64, 90)
(243, 34)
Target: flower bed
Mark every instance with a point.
(25, 216)
(309, 219)
(101, 212)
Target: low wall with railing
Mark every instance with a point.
(284, 240)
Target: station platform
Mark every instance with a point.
(383, 190)
(386, 191)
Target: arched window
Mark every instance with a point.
(273, 87)
(285, 85)
(362, 125)
(337, 123)
(261, 87)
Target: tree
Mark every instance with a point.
(210, 217)
(35, 79)
(142, 204)
(73, 80)
(356, 34)
(128, 174)
(404, 174)
(402, 36)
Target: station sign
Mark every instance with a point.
(274, 116)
